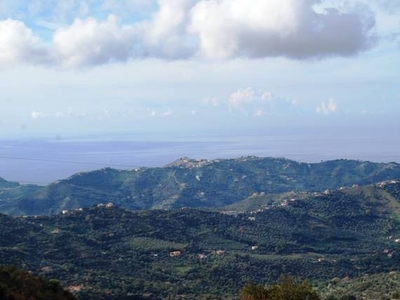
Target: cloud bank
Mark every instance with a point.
(259, 103)
(210, 29)
(288, 28)
(327, 107)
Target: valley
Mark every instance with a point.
(151, 234)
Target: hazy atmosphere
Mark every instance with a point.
(200, 149)
(191, 69)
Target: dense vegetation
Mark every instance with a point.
(107, 252)
(16, 284)
(190, 183)
(332, 223)
(285, 289)
(382, 286)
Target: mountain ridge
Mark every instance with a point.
(193, 183)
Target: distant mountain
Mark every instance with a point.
(105, 252)
(4, 184)
(194, 183)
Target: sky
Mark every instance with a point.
(198, 67)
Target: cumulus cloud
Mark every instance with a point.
(19, 44)
(90, 42)
(39, 115)
(259, 103)
(181, 29)
(266, 96)
(288, 28)
(165, 35)
(329, 106)
(241, 97)
(155, 113)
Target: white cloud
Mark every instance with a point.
(182, 29)
(288, 28)
(35, 115)
(248, 100)
(329, 106)
(18, 44)
(241, 97)
(89, 42)
(266, 96)
(165, 35)
(155, 113)
(260, 113)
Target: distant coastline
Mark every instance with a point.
(44, 161)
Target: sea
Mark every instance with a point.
(42, 161)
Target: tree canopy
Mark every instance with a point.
(285, 289)
(16, 284)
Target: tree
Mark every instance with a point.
(253, 292)
(16, 284)
(285, 289)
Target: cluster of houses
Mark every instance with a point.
(76, 210)
(66, 212)
(186, 162)
(201, 256)
(385, 183)
(108, 205)
(219, 252)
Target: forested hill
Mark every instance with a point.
(7, 184)
(191, 183)
(196, 254)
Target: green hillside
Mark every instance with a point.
(195, 183)
(111, 253)
(17, 284)
(369, 287)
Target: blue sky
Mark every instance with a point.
(167, 67)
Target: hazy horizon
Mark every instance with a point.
(321, 74)
(44, 160)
